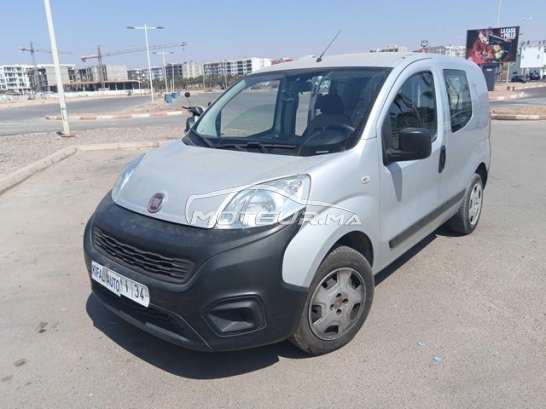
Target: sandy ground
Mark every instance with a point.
(531, 110)
(18, 151)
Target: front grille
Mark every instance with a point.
(170, 269)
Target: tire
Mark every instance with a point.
(467, 217)
(340, 298)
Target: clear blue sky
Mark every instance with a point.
(223, 29)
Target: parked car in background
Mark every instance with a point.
(518, 78)
(534, 76)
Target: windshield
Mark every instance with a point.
(300, 112)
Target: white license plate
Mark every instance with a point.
(120, 285)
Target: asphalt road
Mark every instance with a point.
(534, 97)
(43, 125)
(31, 119)
(476, 302)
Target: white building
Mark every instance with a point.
(451, 50)
(532, 57)
(142, 74)
(15, 78)
(22, 78)
(391, 49)
(235, 67)
(191, 69)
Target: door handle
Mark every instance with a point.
(442, 164)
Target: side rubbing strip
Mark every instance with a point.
(414, 228)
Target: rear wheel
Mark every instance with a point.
(340, 299)
(467, 217)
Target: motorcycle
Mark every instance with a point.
(194, 111)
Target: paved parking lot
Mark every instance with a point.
(477, 303)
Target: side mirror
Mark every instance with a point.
(415, 143)
(187, 94)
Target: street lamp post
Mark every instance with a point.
(499, 13)
(172, 75)
(146, 28)
(58, 74)
(164, 68)
(529, 19)
(225, 75)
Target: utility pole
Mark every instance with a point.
(101, 72)
(58, 75)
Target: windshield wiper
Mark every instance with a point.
(254, 145)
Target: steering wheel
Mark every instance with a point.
(338, 127)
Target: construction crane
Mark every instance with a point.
(100, 55)
(33, 50)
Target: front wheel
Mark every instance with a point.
(467, 217)
(340, 299)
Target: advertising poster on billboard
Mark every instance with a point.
(492, 45)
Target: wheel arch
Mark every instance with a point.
(482, 171)
(358, 241)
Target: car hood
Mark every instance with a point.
(196, 181)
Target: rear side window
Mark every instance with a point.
(460, 101)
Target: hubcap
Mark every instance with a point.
(337, 303)
(475, 204)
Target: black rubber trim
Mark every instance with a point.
(414, 228)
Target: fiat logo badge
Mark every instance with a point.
(156, 202)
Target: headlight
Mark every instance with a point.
(124, 177)
(265, 204)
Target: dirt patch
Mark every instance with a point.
(531, 110)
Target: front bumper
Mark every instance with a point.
(228, 294)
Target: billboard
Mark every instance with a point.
(492, 45)
(532, 57)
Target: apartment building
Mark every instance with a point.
(391, 49)
(188, 69)
(451, 50)
(142, 74)
(23, 79)
(15, 78)
(191, 69)
(235, 67)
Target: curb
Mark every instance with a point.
(503, 98)
(518, 117)
(92, 117)
(20, 175)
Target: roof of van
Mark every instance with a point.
(360, 60)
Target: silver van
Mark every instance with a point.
(270, 218)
